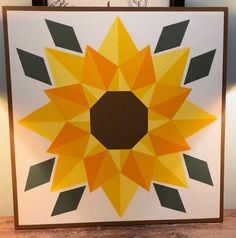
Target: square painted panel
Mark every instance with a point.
(117, 115)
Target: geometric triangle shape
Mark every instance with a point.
(63, 36)
(115, 156)
(69, 100)
(165, 147)
(39, 174)
(145, 146)
(144, 94)
(114, 85)
(92, 166)
(71, 141)
(170, 107)
(169, 169)
(190, 127)
(91, 75)
(190, 118)
(107, 171)
(171, 36)
(45, 121)
(67, 109)
(138, 70)
(98, 71)
(68, 201)
(146, 73)
(74, 148)
(81, 122)
(93, 147)
(118, 82)
(139, 168)
(198, 169)
(123, 85)
(34, 66)
(155, 120)
(69, 171)
(72, 93)
(65, 68)
(131, 171)
(166, 139)
(92, 94)
(119, 157)
(120, 191)
(118, 46)
(170, 66)
(169, 198)
(60, 75)
(99, 168)
(165, 92)
(105, 67)
(200, 66)
(167, 99)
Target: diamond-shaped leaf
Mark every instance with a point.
(169, 197)
(68, 201)
(198, 169)
(63, 36)
(34, 66)
(200, 66)
(171, 36)
(39, 174)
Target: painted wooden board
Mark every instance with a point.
(117, 115)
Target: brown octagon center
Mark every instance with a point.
(119, 120)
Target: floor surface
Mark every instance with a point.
(227, 229)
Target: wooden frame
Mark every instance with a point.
(23, 138)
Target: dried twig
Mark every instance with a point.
(59, 3)
(137, 3)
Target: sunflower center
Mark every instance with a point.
(119, 120)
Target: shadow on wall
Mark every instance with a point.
(231, 78)
(3, 91)
(231, 56)
(6, 207)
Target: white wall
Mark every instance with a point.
(6, 206)
(230, 132)
(6, 202)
